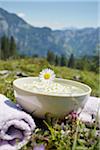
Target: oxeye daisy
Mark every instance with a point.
(47, 75)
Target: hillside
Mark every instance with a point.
(34, 40)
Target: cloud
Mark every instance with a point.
(21, 14)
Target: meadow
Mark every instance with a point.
(69, 134)
(32, 67)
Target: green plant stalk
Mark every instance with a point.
(75, 138)
(50, 129)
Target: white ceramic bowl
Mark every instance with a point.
(39, 104)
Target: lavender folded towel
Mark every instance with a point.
(16, 126)
(91, 110)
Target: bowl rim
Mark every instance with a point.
(49, 94)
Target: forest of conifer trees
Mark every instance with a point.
(7, 47)
(83, 63)
(8, 50)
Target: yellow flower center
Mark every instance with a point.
(47, 75)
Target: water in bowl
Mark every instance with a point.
(54, 88)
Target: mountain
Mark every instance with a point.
(34, 40)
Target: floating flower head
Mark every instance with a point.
(47, 75)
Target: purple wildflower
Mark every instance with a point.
(73, 115)
(39, 147)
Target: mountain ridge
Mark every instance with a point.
(35, 40)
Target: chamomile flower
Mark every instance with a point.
(47, 75)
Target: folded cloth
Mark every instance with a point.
(91, 110)
(16, 126)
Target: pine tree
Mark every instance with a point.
(5, 47)
(0, 53)
(71, 62)
(57, 60)
(63, 60)
(12, 47)
(0, 48)
(51, 57)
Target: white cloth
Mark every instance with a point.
(91, 108)
(16, 126)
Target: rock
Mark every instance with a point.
(77, 77)
(21, 74)
(4, 72)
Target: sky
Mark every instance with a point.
(56, 14)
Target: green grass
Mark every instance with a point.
(32, 67)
